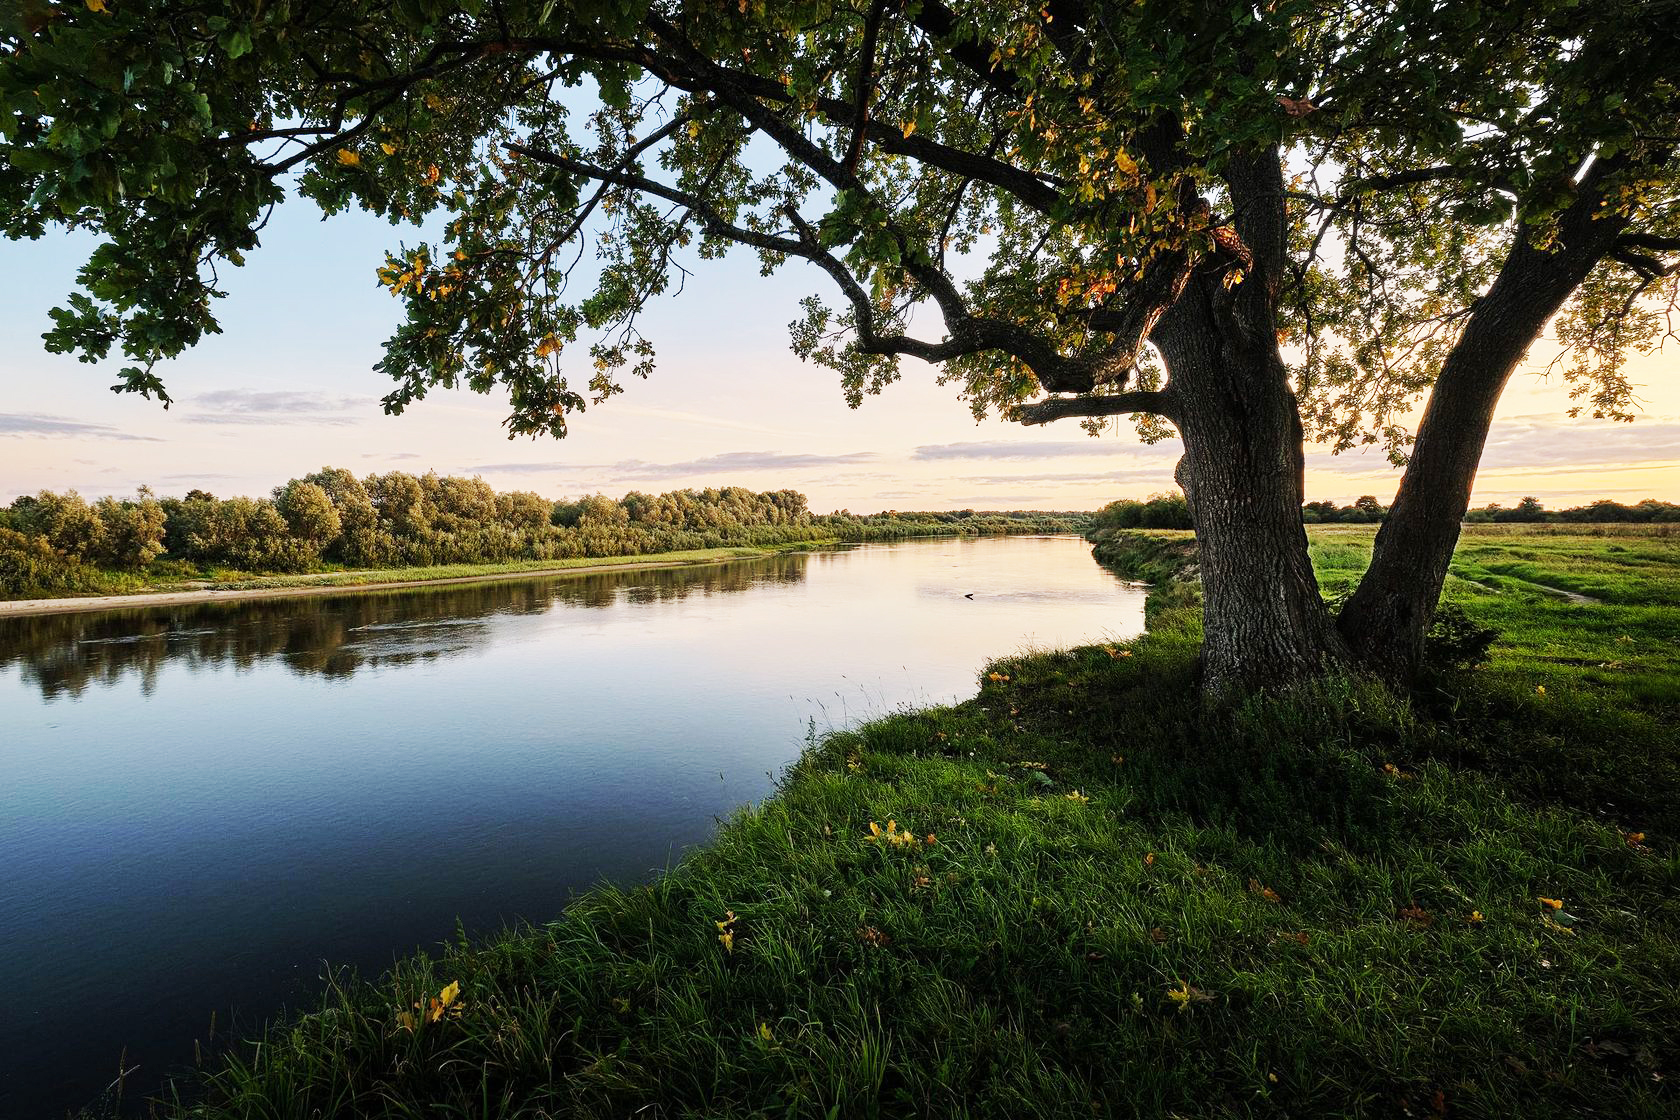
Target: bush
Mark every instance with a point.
(29, 566)
(1457, 641)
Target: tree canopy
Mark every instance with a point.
(1073, 207)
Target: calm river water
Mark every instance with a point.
(199, 805)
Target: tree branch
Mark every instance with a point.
(1158, 401)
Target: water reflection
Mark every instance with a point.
(335, 636)
(209, 801)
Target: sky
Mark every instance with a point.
(289, 387)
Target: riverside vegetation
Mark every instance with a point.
(397, 527)
(1083, 893)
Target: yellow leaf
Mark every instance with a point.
(764, 1031)
(388, 149)
(408, 1021)
(434, 1011)
(97, 6)
(1476, 918)
(450, 993)
(1552, 903)
(693, 129)
(727, 939)
(1125, 163)
(348, 158)
(909, 127)
(1184, 995)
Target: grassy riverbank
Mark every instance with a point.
(1086, 898)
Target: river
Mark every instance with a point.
(201, 804)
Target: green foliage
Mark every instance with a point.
(1061, 152)
(130, 535)
(29, 565)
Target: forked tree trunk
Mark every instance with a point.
(1389, 614)
(1263, 619)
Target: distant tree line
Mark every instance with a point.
(1650, 511)
(1169, 511)
(59, 542)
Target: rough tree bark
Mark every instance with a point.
(1386, 619)
(1264, 621)
(1242, 471)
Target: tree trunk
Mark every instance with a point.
(1264, 622)
(1386, 619)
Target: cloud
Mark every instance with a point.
(285, 406)
(711, 464)
(1550, 441)
(199, 477)
(40, 424)
(994, 501)
(1043, 449)
(1149, 477)
(398, 455)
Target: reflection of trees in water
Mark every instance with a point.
(334, 636)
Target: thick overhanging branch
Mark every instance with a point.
(1157, 401)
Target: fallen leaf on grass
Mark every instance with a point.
(1416, 916)
(1184, 995)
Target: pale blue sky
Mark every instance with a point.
(289, 387)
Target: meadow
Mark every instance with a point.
(1079, 893)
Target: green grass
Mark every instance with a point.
(1323, 906)
(227, 581)
(174, 576)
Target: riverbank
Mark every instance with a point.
(1077, 895)
(337, 583)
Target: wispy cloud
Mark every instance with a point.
(40, 424)
(1044, 449)
(1143, 477)
(1551, 441)
(711, 464)
(284, 406)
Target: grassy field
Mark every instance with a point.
(1076, 895)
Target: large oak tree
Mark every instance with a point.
(1246, 222)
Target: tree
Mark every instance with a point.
(130, 533)
(311, 517)
(1245, 223)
